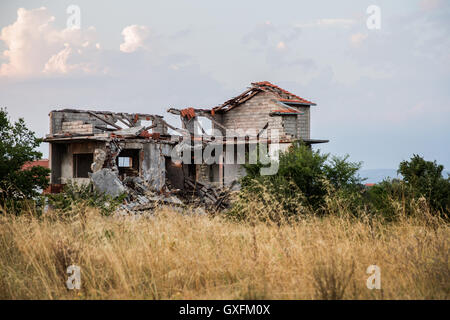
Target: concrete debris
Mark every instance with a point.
(142, 200)
(99, 160)
(204, 195)
(106, 181)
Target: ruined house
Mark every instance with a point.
(254, 114)
(83, 142)
(133, 145)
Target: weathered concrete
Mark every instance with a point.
(106, 181)
(154, 166)
(99, 160)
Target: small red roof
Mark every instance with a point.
(42, 163)
(287, 110)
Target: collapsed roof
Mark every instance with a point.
(282, 96)
(71, 124)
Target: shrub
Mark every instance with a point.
(303, 181)
(390, 198)
(421, 180)
(75, 194)
(424, 178)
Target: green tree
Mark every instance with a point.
(18, 146)
(310, 172)
(425, 179)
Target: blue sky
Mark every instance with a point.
(381, 95)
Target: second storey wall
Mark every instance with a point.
(254, 114)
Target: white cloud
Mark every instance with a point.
(134, 37)
(36, 46)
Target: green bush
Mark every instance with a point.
(75, 194)
(424, 178)
(421, 179)
(304, 180)
(390, 198)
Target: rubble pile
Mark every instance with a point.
(140, 198)
(205, 195)
(200, 197)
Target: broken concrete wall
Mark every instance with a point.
(65, 121)
(106, 181)
(232, 170)
(79, 127)
(62, 159)
(154, 164)
(99, 160)
(160, 128)
(56, 152)
(253, 114)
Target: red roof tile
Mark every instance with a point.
(291, 97)
(287, 111)
(279, 93)
(42, 163)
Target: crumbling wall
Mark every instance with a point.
(160, 128)
(106, 181)
(79, 127)
(254, 114)
(73, 120)
(62, 159)
(56, 153)
(154, 164)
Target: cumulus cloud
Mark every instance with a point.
(134, 37)
(36, 46)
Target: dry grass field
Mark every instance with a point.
(176, 256)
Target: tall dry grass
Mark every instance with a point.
(176, 256)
